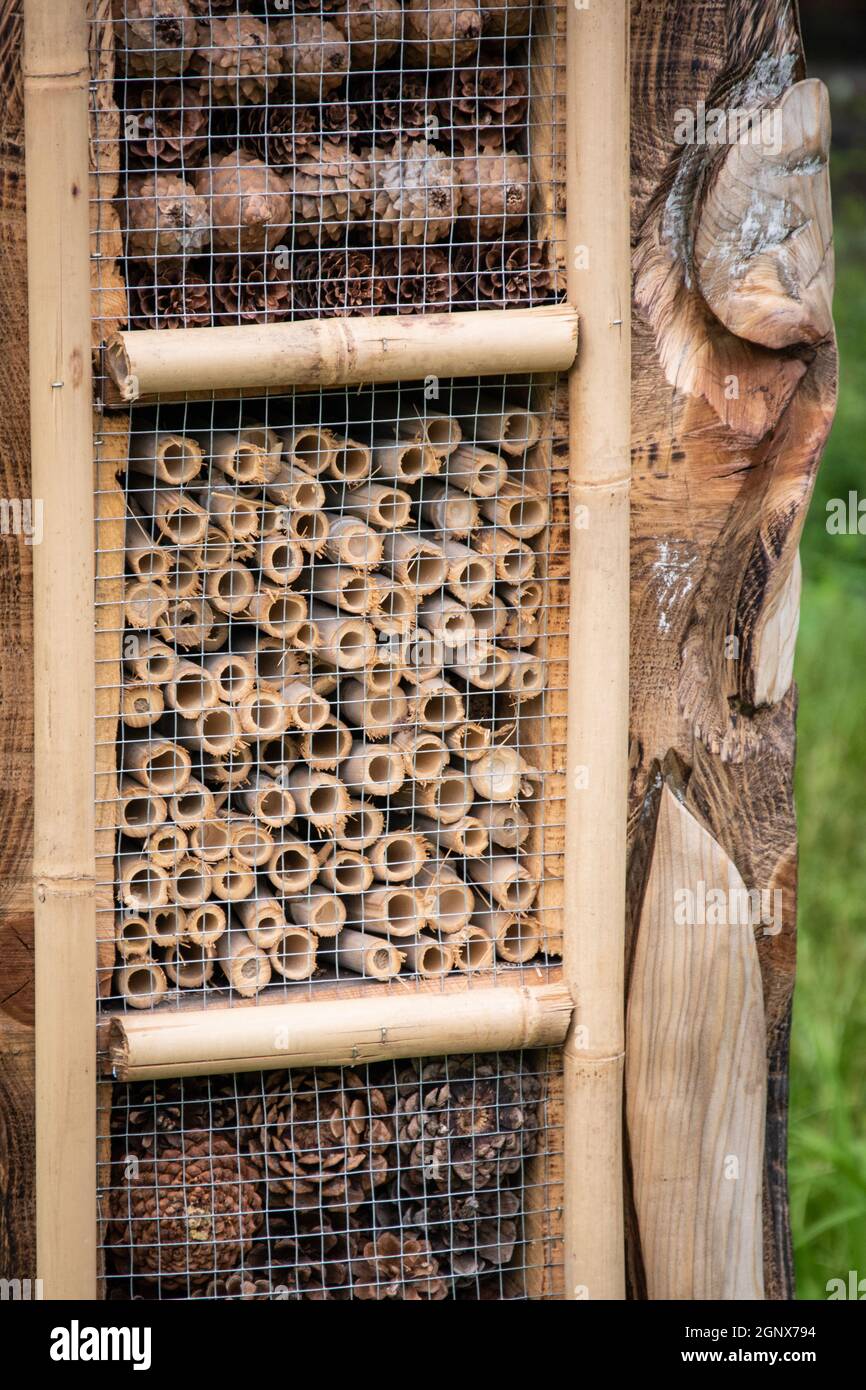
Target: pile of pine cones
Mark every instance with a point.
(278, 167)
(400, 1182)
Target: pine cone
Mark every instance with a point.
(339, 283)
(166, 219)
(416, 196)
(182, 302)
(326, 1137)
(508, 18)
(484, 105)
(208, 7)
(166, 124)
(250, 203)
(237, 61)
(310, 1254)
(440, 33)
(418, 279)
(157, 38)
(396, 1264)
(329, 187)
(314, 53)
(472, 1233)
(281, 134)
(189, 1212)
(252, 290)
(395, 103)
(495, 193)
(516, 274)
(373, 29)
(144, 1110)
(465, 1122)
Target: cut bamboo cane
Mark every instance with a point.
(507, 825)
(191, 881)
(139, 811)
(398, 856)
(356, 591)
(446, 801)
(425, 956)
(211, 840)
(403, 461)
(262, 918)
(294, 489)
(470, 740)
(215, 549)
(263, 714)
(395, 612)
(144, 556)
(293, 866)
(374, 716)
(173, 459)
(324, 679)
(184, 578)
(435, 704)
(145, 603)
(450, 902)
(346, 643)
(352, 542)
(425, 756)
(249, 455)
(251, 842)
(520, 629)
(131, 937)
(418, 656)
(393, 911)
(507, 427)
(233, 675)
(280, 560)
(294, 955)
(370, 956)
(475, 949)
(215, 731)
(351, 463)
(141, 705)
(389, 508)
(487, 669)
(306, 710)
(309, 529)
(450, 622)
(467, 837)
(517, 510)
(503, 775)
(525, 675)
(385, 674)
(192, 689)
(346, 871)
(268, 655)
(448, 509)
(279, 612)
(527, 596)
(189, 964)
(167, 845)
(178, 516)
(480, 472)
(518, 939)
(229, 769)
(151, 662)
(166, 924)
(506, 881)
(471, 576)
(268, 801)
(188, 623)
(417, 563)
(229, 588)
(439, 432)
(514, 561)
(321, 797)
(363, 826)
(141, 984)
(141, 884)
(235, 515)
(158, 764)
(232, 881)
(321, 912)
(374, 769)
(309, 447)
(325, 748)
(246, 967)
(206, 924)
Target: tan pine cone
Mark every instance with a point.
(252, 290)
(250, 203)
(471, 1233)
(516, 274)
(484, 103)
(338, 283)
(440, 33)
(314, 54)
(329, 193)
(465, 1122)
(192, 1210)
(326, 1137)
(396, 1264)
(168, 127)
(237, 60)
(509, 18)
(181, 302)
(167, 220)
(396, 103)
(310, 1254)
(416, 194)
(155, 38)
(494, 193)
(418, 279)
(281, 134)
(373, 29)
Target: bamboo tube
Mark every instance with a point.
(149, 661)
(426, 956)
(141, 884)
(211, 840)
(191, 882)
(325, 748)
(140, 984)
(158, 764)
(396, 910)
(268, 801)
(389, 508)
(480, 472)
(403, 461)
(449, 621)
(508, 427)
(356, 591)
(166, 845)
(139, 811)
(187, 623)
(215, 549)
(467, 837)
(425, 756)
(362, 826)
(346, 871)
(131, 937)
(470, 576)
(230, 769)
(449, 902)
(237, 516)
(251, 842)
(169, 458)
(446, 801)
(514, 561)
(294, 955)
(417, 563)
(263, 919)
(436, 705)
(263, 714)
(246, 967)
(214, 731)
(321, 912)
(521, 630)
(268, 655)
(448, 509)
(527, 596)
(526, 676)
(166, 924)
(505, 880)
(280, 560)
(348, 644)
(309, 447)
(351, 463)
(352, 542)
(373, 768)
(488, 668)
(324, 680)
(321, 798)
(370, 956)
(192, 689)
(518, 939)
(420, 656)
(470, 740)
(398, 856)
(141, 705)
(375, 716)
(475, 949)
(308, 529)
(490, 619)
(189, 964)
(519, 511)
(502, 775)
(232, 881)
(293, 866)
(249, 455)
(279, 612)
(229, 588)
(145, 603)
(233, 676)
(206, 924)
(294, 489)
(395, 612)
(306, 710)
(144, 556)
(178, 516)
(184, 578)
(507, 825)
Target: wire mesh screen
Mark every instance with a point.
(409, 1181)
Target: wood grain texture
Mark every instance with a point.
(696, 1074)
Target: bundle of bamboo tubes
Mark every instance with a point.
(329, 641)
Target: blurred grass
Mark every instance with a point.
(828, 1063)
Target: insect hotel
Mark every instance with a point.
(330, 334)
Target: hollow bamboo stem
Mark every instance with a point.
(280, 613)
(248, 456)
(232, 881)
(418, 564)
(139, 811)
(280, 560)
(396, 910)
(268, 801)
(351, 463)
(352, 542)
(293, 865)
(425, 956)
(347, 871)
(509, 428)
(262, 918)
(374, 769)
(189, 964)
(389, 508)
(172, 459)
(343, 587)
(145, 557)
(309, 447)
(141, 705)
(467, 837)
(206, 924)
(475, 949)
(480, 472)
(131, 936)
(363, 826)
(321, 912)
(326, 747)
(166, 845)
(373, 957)
(151, 662)
(246, 967)
(448, 509)
(425, 756)
(233, 675)
(501, 774)
(375, 715)
(140, 983)
(294, 955)
(398, 856)
(158, 764)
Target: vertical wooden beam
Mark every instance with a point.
(597, 176)
(56, 126)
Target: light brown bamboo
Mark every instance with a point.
(262, 918)
(280, 612)
(426, 956)
(517, 510)
(395, 612)
(141, 705)
(233, 514)
(471, 575)
(141, 984)
(398, 856)
(507, 881)
(293, 865)
(306, 709)
(321, 912)
(206, 924)
(469, 740)
(352, 542)
(216, 548)
(389, 508)
(480, 472)
(374, 715)
(436, 431)
(192, 688)
(184, 579)
(249, 455)
(246, 966)
(374, 769)
(528, 596)
(449, 902)
(178, 516)
(189, 964)
(364, 823)
(191, 881)
(252, 842)
(309, 447)
(419, 656)
(356, 591)
(466, 837)
(513, 559)
(263, 714)
(521, 630)
(526, 676)
(131, 936)
(294, 955)
(507, 825)
(214, 731)
(425, 756)
(487, 667)
(229, 588)
(188, 623)
(352, 461)
(232, 881)
(417, 563)
(451, 623)
(326, 747)
(211, 840)
(447, 508)
(308, 529)
(346, 643)
(158, 764)
(145, 603)
(346, 871)
(230, 769)
(268, 801)
(502, 774)
(233, 675)
(395, 910)
(280, 560)
(145, 557)
(370, 956)
(518, 939)
(151, 662)
(446, 801)
(166, 924)
(170, 458)
(435, 704)
(476, 950)
(141, 884)
(139, 811)
(166, 845)
(509, 428)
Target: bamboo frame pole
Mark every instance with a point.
(56, 76)
(597, 190)
(341, 352)
(340, 1032)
